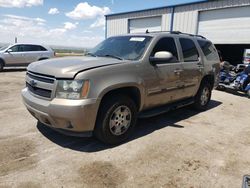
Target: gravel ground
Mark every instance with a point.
(182, 148)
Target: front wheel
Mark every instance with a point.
(116, 119)
(203, 96)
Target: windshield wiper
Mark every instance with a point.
(91, 54)
(113, 56)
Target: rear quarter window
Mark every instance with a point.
(41, 48)
(209, 50)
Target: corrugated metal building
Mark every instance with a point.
(225, 22)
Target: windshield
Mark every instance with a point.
(4, 47)
(124, 47)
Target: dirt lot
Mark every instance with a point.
(178, 149)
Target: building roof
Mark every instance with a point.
(170, 6)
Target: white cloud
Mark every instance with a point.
(100, 22)
(53, 11)
(70, 26)
(87, 31)
(20, 3)
(85, 11)
(22, 20)
(35, 30)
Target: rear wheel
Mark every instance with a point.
(116, 119)
(203, 96)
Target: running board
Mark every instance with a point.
(166, 108)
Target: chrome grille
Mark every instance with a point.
(40, 85)
(38, 91)
(40, 78)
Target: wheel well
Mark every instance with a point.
(43, 58)
(209, 79)
(132, 92)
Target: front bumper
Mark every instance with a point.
(71, 117)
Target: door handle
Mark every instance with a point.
(178, 71)
(199, 63)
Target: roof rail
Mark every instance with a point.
(177, 33)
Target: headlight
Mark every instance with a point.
(72, 89)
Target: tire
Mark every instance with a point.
(116, 119)
(203, 96)
(1, 65)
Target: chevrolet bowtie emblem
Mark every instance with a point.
(33, 83)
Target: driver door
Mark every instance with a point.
(16, 56)
(165, 85)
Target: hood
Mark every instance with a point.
(68, 67)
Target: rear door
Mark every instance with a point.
(165, 85)
(32, 53)
(192, 66)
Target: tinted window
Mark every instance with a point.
(27, 48)
(33, 48)
(39, 48)
(208, 49)
(166, 44)
(189, 50)
(16, 48)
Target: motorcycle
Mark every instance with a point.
(242, 82)
(239, 82)
(227, 75)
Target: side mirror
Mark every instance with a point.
(9, 50)
(161, 57)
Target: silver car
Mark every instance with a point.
(23, 54)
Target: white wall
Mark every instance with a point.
(118, 24)
(185, 17)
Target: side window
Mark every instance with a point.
(38, 48)
(27, 48)
(33, 48)
(189, 50)
(15, 48)
(208, 49)
(41, 48)
(166, 44)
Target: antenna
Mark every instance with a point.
(147, 31)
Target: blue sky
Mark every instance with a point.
(64, 22)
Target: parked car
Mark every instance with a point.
(23, 54)
(123, 78)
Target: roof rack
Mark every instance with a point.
(177, 33)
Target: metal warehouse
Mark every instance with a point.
(225, 22)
